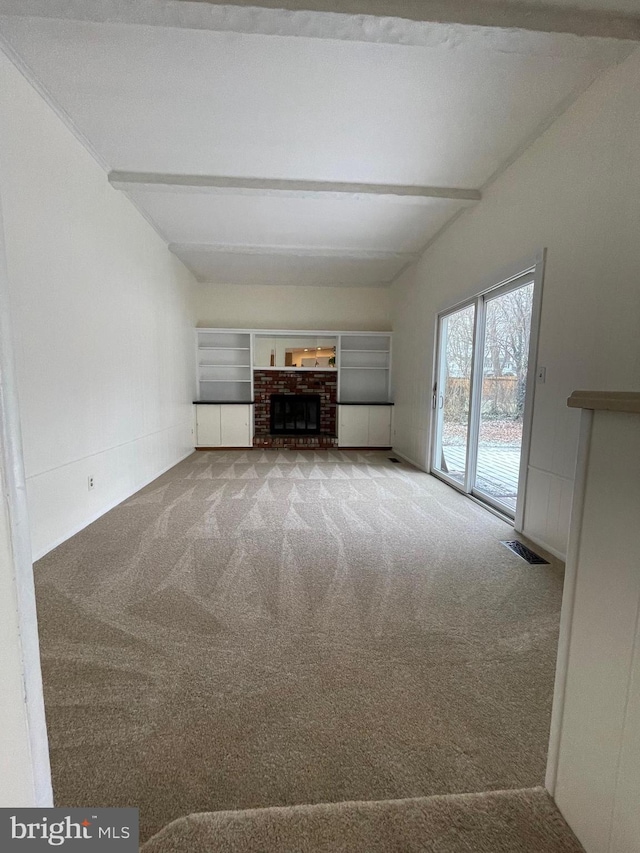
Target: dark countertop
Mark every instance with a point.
(251, 402)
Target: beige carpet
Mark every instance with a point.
(504, 822)
(273, 628)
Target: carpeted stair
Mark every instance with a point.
(516, 821)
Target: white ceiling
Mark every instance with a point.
(292, 268)
(154, 99)
(259, 220)
(200, 102)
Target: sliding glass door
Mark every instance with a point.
(501, 389)
(480, 394)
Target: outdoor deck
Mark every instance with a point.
(498, 470)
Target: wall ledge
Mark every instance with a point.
(608, 401)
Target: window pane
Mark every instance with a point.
(454, 392)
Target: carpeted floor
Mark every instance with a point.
(524, 821)
(270, 628)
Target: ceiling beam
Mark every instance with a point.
(388, 21)
(132, 182)
(536, 15)
(292, 252)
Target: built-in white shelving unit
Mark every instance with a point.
(365, 364)
(224, 366)
(226, 359)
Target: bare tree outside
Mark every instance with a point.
(507, 327)
(506, 349)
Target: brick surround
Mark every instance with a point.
(322, 382)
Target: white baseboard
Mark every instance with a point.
(542, 544)
(408, 459)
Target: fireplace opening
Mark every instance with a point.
(295, 414)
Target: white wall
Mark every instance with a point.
(17, 783)
(102, 323)
(575, 191)
(285, 307)
(25, 776)
(594, 768)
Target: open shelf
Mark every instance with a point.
(365, 343)
(224, 365)
(364, 368)
(208, 339)
(222, 391)
(359, 386)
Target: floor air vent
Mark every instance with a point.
(393, 459)
(526, 553)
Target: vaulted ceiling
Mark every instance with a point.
(300, 146)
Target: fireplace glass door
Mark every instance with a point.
(295, 414)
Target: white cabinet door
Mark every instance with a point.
(208, 426)
(235, 427)
(379, 426)
(353, 426)
(364, 426)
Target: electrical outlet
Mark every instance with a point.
(541, 375)
(90, 482)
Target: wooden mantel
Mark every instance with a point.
(608, 401)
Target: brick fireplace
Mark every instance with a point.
(268, 383)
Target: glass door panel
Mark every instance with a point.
(497, 427)
(452, 394)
